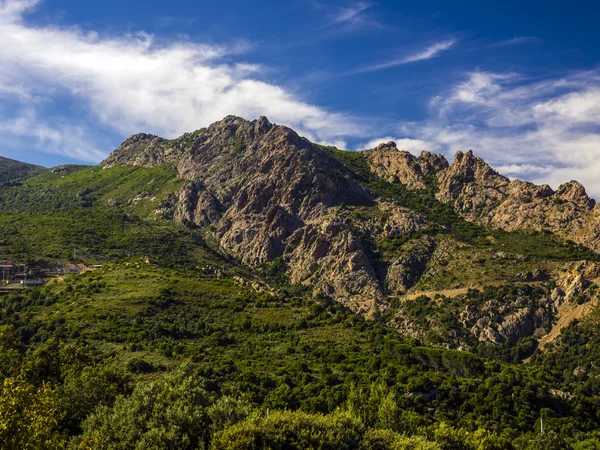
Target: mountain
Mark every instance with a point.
(481, 195)
(241, 269)
(362, 227)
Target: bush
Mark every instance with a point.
(292, 431)
(388, 440)
(169, 413)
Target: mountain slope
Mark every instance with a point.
(235, 259)
(481, 195)
(370, 230)
(268, 193)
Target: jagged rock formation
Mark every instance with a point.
(408, 269)
(146, 150)
(397, 166)
(483, 196)
(504, 315)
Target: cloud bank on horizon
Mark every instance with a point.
(62, 88)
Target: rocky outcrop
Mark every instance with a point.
(197, 206)
(397, 166)
(328, 255)
(144, 150)
(406, 271)
(520, 318)
(483, 196)
(471, 182)
(515, 322)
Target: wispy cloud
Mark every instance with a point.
(428, 53)
(356, 16)
(349, 14)
(131, 83)
(61, 138)
(517, 40)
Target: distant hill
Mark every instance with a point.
(11, 170)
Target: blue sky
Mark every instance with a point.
(517, 83)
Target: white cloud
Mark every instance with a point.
(414, 146)
(428, 53)
(524, 170)
(349, 14)
(580, 107)
(11, 10)
(480, 88)
(133, 83)
(57, 138)
(546, 131)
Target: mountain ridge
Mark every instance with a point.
(362, 228)
(269, 194)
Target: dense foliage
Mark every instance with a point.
(110, 359)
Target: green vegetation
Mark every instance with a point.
(172, 351)
(452, 321)
(139, 356)
(92, 215)
(11, 171)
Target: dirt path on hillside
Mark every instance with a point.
(450, 293)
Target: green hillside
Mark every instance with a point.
(174, 344)
(12, 171)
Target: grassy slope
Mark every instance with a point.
(11, 171)
(96, 214)
(280, 352)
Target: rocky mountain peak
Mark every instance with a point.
(390, 145)
(262, 125)
(140, 137)
(400, 166)
(573, 191)
(471, 166)
(432, 162)
(472, 176)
